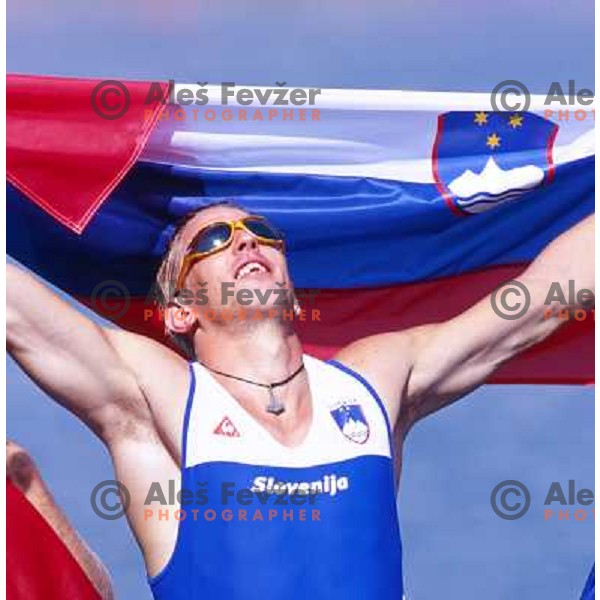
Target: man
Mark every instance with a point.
(251, 412)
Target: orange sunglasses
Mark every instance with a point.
(218, 236)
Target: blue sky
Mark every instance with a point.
(425, 44)
(454, 545)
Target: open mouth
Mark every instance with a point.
(250, 268)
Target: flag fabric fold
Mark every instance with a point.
(65, 150)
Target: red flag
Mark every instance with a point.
(69, 142)
(38, 565)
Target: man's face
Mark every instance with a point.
(243, 275)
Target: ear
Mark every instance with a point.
(179, 319)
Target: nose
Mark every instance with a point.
(244, 241)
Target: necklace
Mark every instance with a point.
(275, 406)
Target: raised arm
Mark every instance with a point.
(130, 390)
(74, 360)
(423, 369)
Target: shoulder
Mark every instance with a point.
(161, 374)
(146, 357)
(384, 361)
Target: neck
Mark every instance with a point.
(266, 353)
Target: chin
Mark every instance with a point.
(263, 306)
(256, 280)
(262, 290)
(265, 312)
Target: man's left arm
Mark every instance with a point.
(421, 370)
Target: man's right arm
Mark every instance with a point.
(130, 390)
(70, 357)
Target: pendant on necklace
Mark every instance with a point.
(275, 407)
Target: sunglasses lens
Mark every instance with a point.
(212, 237)
(263, 229)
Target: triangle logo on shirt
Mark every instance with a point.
(226, 428)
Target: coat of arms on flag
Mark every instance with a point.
(482, 159)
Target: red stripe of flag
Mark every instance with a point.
(348, 315)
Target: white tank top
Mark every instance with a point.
(345, 543)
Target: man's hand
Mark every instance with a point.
(420, 370)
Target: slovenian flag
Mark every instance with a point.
(400, 208)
